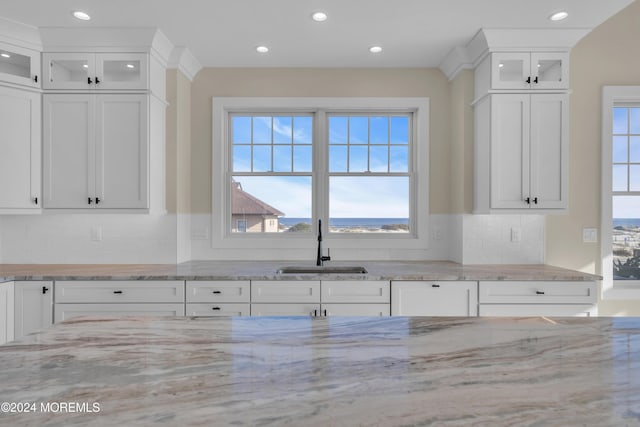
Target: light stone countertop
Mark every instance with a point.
(267, 270)
(261, 371)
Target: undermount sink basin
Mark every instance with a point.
(322, 270)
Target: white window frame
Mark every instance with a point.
(612, 290)
(221, 236)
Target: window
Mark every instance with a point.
(621, 191)
(282, 164)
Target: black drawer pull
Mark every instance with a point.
(44, 290)
(217, 292)
(117, 292)
(216, 308)
(539, 293)
(435, 286)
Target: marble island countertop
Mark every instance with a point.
(268, 270)
(326, 371)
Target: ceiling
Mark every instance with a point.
(225, 33)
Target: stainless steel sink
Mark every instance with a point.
(324, 269)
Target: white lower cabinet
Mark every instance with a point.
(119, 298)
(537, 298)
(218, 298)
(290, 309)
(33, 307)
(438, 298)
(355, 310)
(67, 311)
(6, 312)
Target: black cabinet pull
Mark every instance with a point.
(435, 286)
(535, 80)
(98, 80)
(315, 313)
(528, 200)
(90, 200)
(535, 200)
(89, 81)
(35, 200)
(539, 292)
(217, 292)
(97, 200)
(117, 292)
(325, 312)
(215, 308)
(44, 290)
(35, 79)
(528, 80)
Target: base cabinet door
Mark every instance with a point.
(224, 309)
(33, 307)
(441, 298)
(355, 310)
(285, 310)
(68, 311)
(529, 310)
(6, 312)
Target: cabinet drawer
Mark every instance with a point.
(285, 292)
(356, 310)
(96, 291)
(528, 310)
(218, 291)
(537, 292)
(225, 309)
(355, 291)
(67, 311)
(434, 298)
(285, 310)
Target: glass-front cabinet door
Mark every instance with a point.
(525, 70)
(95, 71)
(19, 65)
(122, 70)
(69, 71)
(550, 70)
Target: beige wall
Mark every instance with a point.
(178, 142)
(606, 56)
(319, 82)
(461, 122)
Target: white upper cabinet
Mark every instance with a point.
(19, 65)
(20, 151)
(96, 151)
(96, 71)
(528, 146)
(529, 70)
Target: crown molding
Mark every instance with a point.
(182, 59)
(19, 34)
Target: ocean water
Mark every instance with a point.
(626, 222)
(349, 222)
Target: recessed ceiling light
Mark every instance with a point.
(375, 49)
(559, 16)
(5, 55)
(262, 49)
(83, 16)
(319, 16)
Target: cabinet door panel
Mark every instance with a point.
(440, 298)
(19, 150)
(122, 71)
(218, 291)
(355, 291)
(285, 309)
(285, 291)
(510, 116)
(67, 311)
(551, 70)
(6, 312)
(355, 310)
(68, 150)
(225, 309)
(33, 307)
(537, 292)
(20, 66)
(125, 291)
(69, 70)
(510, 70)
(121, 151)
(549, 150)
(529, 310)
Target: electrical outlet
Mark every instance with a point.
(516, 234)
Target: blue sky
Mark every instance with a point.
(357, 144)
(626, 152)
